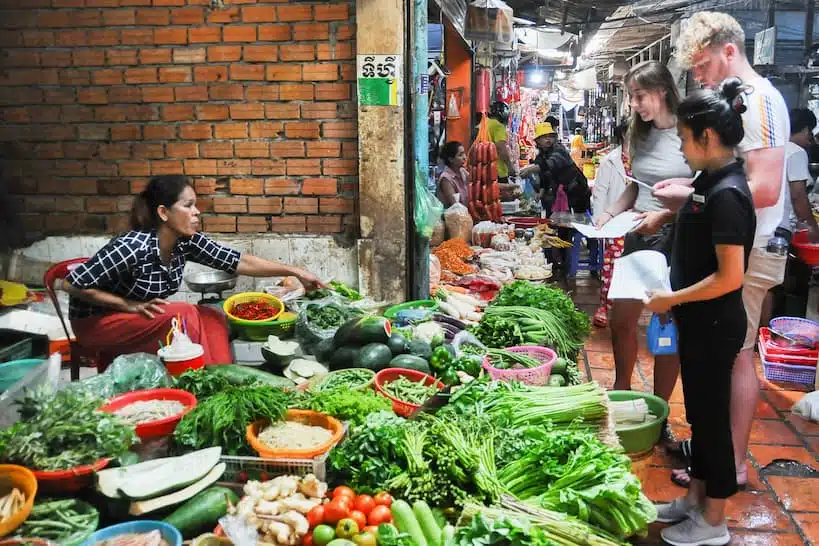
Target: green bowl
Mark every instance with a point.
(640, 439)
(393, 311)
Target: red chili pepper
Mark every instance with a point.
(258, 310)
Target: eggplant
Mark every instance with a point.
(441, 318)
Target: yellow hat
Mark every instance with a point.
(543, 129)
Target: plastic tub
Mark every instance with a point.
(537, 376)
(11, 476)
(640, 439)
(14, 371)
(807, 252)
(170, 533)
(179, 364)
(404, 409)
(392, 312)
(307, 417)
(160, 427)
(68, 481)
(249, 297)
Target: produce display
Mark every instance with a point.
(65, 521)
(407, 390)
(294, 435)
(145, 411)
(352, 406)
(344, 379)
(255, 310)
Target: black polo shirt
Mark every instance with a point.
(719, 212)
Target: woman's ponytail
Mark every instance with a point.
(160, 191)
(719, 110)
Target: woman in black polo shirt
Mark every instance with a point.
(713, 238)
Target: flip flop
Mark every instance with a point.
(676, 479)
(682, 449)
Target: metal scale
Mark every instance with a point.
(211, 282)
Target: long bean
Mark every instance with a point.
(409, 391)
(503, 360)
(61, 520)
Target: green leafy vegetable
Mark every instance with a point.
(203, 384)
(347, 405)
(500, 532)
(326, 316)
(498, 332)
(344, 290)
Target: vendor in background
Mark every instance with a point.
(608, 186)
(118, 297)
(496, 125)
(577, 146)
(555, 123)
(453, 184)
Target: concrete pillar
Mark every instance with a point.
(382, 249)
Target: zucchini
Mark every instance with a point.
(406, 522)
(410, 362)
(374, 356)
(397, 344)
(363, 330)
(202, 512)
(426, 519)
(239, 375)
(560, 365)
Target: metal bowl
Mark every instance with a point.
(208, 282)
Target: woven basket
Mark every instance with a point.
(537, 376)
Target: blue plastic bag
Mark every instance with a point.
(661, 335)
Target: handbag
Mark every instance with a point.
(661, 335)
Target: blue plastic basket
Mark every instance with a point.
(796, 326)
(170, 533)
(789, 373)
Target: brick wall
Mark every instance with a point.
(254, 99)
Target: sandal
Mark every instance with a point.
(600, 319)
(681, 449)
(682, 477)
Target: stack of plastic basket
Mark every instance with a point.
(788, 363)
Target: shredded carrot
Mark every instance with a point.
(458, 247)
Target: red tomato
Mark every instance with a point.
(358, 517)
(343, 491)
(364, 503)
(383, 499)
(370, 529)
(307, 540)
(316, 516)
(380, 514)
(335, 511)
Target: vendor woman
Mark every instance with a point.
(453, 184)
(118, 297)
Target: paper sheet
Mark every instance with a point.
(637, 274)
(614, 228)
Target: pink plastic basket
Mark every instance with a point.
(537, 376)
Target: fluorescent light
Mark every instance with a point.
(522, 21)
(536, 77)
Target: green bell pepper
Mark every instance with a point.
(441, 359)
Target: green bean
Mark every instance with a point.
(410, 391)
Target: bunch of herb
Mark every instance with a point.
(62, 430)
(222, 419)
(501, 532)
(203, 384)
(344, 290)
(326, 317)
(498, 332)
(347, 405)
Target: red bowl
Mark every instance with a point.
(404, 409)
(68, 481)
(160, 427)
(807, 252)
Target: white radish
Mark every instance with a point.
(449, 309)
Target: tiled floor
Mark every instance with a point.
(774, 510)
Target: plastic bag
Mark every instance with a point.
(310, 334)
(428, 208)
(661, 335)
(465, 337)
(434, 270)
(489, 21)
(501, 242)
(126, 373)
(438, 234)
(458, 222)
(808, 407)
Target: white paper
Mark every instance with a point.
(637, 274)
(614, 228)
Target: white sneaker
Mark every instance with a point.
(695, 531)
(674, 511)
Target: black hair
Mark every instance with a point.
(720, 110)
(620, 132)
(499, 110)
(161, 190)
(449, 151)
(801, 119)
(553, 121)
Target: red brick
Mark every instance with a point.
(110, 113)
(247, 111)
(189, 55)
(282, 110)
(320, 72)
(153, 17)
(217, 149)
(213, 111)
(220, 224)
(332, 12)
(188, 16)
(281, 186)
(226, 92)
(332, 52)
(305, 167)
(295, 13)
(16, 115)
(160, 132)
(52, 150)
(302, 52)
(310, 32)
(339, 129)
(138, 185)
(204, 35)
(174, 75)
(40, 204)
(126, 132)
(340, 167)
(70, 204)
(137, 36)
(88, 57)
(42, 38)
(323, 149)
(224, 15)
(100, 204)
(193, 93)
(296, 91)
(155, 56)
(141, 75)
(157, 94)
(115, 151)
(239, 33)
(274, 33)
(168, 2)
(205, 186)
(224, 53)
(22, 57)
(231, 130)
(247, 186)
(67, 77)
(196, 131)
(347, 72)
(230, 204)
(319, 110)
(258, 14)
(107, 77)
(302, 129)
(264, 53)
(57, 58)
(170, 36)
(182, 150)
(336, 205)
(287, 148)
(73, 114)
(288, 224)
(103, 37)
(263, 92)
(245, 72)
(194, 167)
(124, 95)
(46, 19)
(75, 168)
(266, 129)
(319, 186)
(252, 224)
(324, 224)
(61, 223)
(349, 150)
(86, 18)
(63, 4)
(166, 167)
(210, 73)
(178, 112)
(92, 95)
(252, 149)
(267, 167)
(333, 91)
(118, 17)
(264, 205)
(79, 150)
(91, 132)
(345, 32)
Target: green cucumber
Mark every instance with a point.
(362, 330)
(406, 522)
(426, 519)
(202, 512)
(237, 374)
(560, 365)
(375, 356)
(410, 362)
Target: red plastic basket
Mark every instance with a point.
(807, 252)
(68, 481)
(798, 360)
(160, 427)
(404, 409)
(789, 373)
(773, 348)
(536, 376)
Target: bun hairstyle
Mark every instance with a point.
(160, 191)
(720, 110)
(449, 151)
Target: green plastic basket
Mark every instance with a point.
(640, 439)
(392, 312)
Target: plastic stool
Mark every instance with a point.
(593, 263)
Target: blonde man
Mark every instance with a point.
(713, 46)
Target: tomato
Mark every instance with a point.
(343, 491)
(364, 504)
(366, 538)
(380, 514)
(316, 516)
(307, 540)
(335, 511)
(323, 535)
(371, 529)
(383, 499)
(359, 518)
(346, 528)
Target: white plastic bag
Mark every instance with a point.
(458, 222)
(808, 407)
